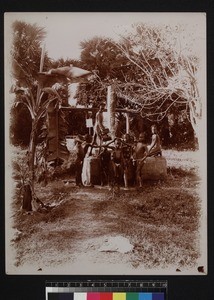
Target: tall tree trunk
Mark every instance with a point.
(32, 150)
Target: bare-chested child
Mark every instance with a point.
(127, 149)
(154, 148)
(99, 127)
(117, 162)
(140, 154)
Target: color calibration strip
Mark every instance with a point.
(106, 296)
(102, 290)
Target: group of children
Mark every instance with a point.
(121, 160)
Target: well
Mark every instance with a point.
(155, 168)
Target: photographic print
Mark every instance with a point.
(105, 143)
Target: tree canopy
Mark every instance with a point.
(153, 70)
(26, 52)
(165, 77)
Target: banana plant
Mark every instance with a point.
(38, 108)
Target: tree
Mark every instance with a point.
(165, 73)
(105, 60)
(28, 59)
(109, 66)
(102, 56)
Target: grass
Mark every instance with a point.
(161, 221)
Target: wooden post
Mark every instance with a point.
(111, 107)
(42, 58)
(127, 123)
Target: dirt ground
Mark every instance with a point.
(93, 230)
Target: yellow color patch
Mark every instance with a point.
(119, 296)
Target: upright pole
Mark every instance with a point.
(127, 123)
(111, 107)
(42, 58)
(40, 70)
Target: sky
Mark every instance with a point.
(65, 31)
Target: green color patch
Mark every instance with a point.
(132, 296)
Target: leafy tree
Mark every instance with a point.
(144, 69)
(28, 60)
(165, 77)
(26, 53)
(105, 60)
(103, 57)
(109, 66)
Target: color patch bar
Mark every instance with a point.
(80, 296)
(119, 296)
(106, 296)
(145, 296)
(93, 296)
(132, 296)
(60, 296)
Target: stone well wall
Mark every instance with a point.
(155, 168)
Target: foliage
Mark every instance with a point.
(104, 59)
(26, 54)
(20, 125)
(76, 122)
(20, 169)
(61, 62)
(150, 74)
(51, 150)
(151, 69)
(165, 78)
(57, 130)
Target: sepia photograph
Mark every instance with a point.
(105, 143)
